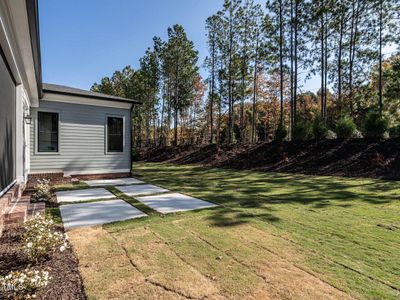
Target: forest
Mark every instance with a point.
(259, 58)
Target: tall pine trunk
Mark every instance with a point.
(326, 52)
(244, 62)
(296, 41)
(322, 64)
(254, 111)
(176, 101)
(339, 105)
(352, 49)
(230, 92)
(380, 56)
(292, 124)
(212, 93)
(281, 59)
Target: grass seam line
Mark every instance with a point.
(146, 279)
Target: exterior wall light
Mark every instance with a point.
(28, 119)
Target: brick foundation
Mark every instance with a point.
(56, 177)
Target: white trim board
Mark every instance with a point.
(8, 188)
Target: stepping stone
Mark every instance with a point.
(117, 181)
(174, 202)
(98, 213)
(83, 195)
(142, 189)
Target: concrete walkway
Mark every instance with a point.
(83, 195)
(102, 212)
(174, 202)
(97, 213)
(114, 182)
(142, 189)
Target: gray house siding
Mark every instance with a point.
(82, 140)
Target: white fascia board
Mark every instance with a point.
(48, 96)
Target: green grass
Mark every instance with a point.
(132, 201)
(55, 214)
(71, 187)
(275, 233)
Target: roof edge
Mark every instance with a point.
(131, 101)
(33, 21)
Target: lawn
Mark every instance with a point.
(278, 236)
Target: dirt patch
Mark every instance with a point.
(351, 158)
(66, 282)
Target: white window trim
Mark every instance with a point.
(37, 152)
(106, 135)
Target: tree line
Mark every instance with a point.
(259, 57)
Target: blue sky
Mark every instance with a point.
(85, 40)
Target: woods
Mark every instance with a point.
(260, 57)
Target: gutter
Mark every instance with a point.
(133, 102)
(33, 20)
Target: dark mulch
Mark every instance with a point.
(353, 158)
(66, 282)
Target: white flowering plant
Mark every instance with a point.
(43, 191)
(23, 284)
(41, 239)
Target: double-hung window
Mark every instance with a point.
(115, 134)
(48, 131)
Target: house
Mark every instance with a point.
(49, 130)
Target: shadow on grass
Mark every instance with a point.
(260, 191)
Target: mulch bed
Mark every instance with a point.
(350, 158)
(65, 283)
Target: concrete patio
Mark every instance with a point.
(174, 202)
(142, 189)
(97, 213)
(83, 195)
(114, 182)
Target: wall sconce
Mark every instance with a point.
(28, 119)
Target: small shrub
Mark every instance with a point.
(357, 134)
(345, 127)
(23, 285)
(319, 128)
(43, 191)
(375, 126)
(330, 135)
(135, 154)
(302, 131)
(41, 239)
(280, 133)
(394, 131)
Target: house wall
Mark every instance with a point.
(82, 140)
(8, 116)
(16, 55)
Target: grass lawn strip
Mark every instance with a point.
(341, 198)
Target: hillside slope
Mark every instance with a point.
(354, 158)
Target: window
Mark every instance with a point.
(47, 131)
(115, 134)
